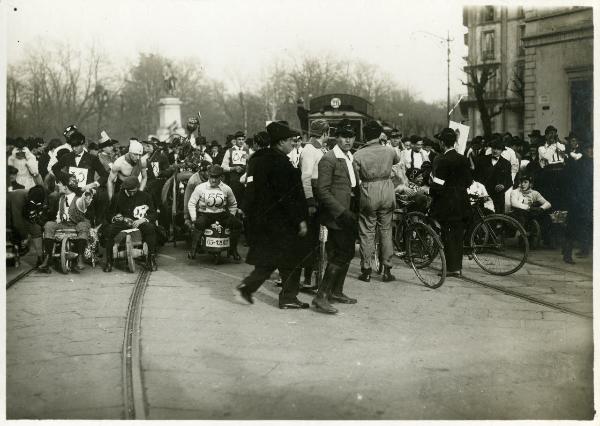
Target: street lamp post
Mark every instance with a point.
(447, 40)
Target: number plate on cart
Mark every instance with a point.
(217, 242)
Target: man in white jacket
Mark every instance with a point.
(309, 159)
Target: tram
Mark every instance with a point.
(336, 106)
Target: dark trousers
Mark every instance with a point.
(452, 238)
(237, 187)
(204, 220)
(148, 231)
(99, 206)
(154, 188)
(311, 243)
(290, 281)
(498, 200)
(341, 245)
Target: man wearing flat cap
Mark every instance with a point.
(377, 200)
(337, 195)
(451, 176)
(131, 208)
(213, 201)
(494, 172)
(276, 218)
(130, 164)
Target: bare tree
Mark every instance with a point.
(480, 80)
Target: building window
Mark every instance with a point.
(488, 13)
(520, 43)
(488, 41)
(466, 38)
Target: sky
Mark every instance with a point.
(243, 37)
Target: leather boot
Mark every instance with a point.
(387, 274)
(194, 243)
(48, 245)
(80, 249)
(151, 264)
(365, 274)
(567, 252)
(109, 260)
(337, 291)
(321, 301)
(233, 249)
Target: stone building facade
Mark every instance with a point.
(559, 65)
(545, 67)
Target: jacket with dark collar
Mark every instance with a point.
(335, 193)
(88, 161)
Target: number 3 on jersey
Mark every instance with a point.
(140, 211)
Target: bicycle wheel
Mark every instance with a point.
(499, 244)
(425, 254)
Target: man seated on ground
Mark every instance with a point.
(528, 204)
(72, 206)
(214, 201)
(131, 208)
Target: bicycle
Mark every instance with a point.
(496, 242)
(418, 245)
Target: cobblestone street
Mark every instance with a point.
(403, 352)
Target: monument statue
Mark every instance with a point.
(170, 80)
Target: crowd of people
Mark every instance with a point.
(279, 188)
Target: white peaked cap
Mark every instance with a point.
(135, 147)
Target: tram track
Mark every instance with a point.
(19, 277)
(133, 388)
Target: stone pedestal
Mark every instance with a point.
(169, 111)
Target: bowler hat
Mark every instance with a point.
(497, 143)
(130, 182)
(535, 134)
(447, 135)
(372, 130)
(278, 131)
(344, 129)
(215, 143)
(109, 142)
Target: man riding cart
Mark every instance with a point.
(210, 202)
(131, 208)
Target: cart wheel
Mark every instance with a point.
(65, 263)
(129, 251)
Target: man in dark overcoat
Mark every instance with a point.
(493, 171)
(276, 213)
(337, 193)
(451, 177)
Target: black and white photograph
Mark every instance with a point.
(318, 210)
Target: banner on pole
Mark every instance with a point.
(462, 135)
